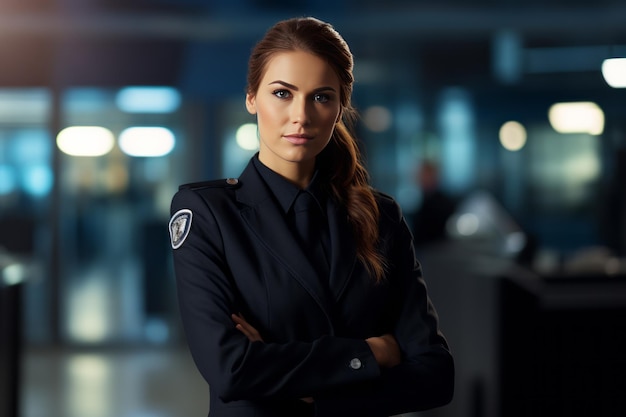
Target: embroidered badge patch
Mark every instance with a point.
(180, 224)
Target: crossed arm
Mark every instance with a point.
(385, 348)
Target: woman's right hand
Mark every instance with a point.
(386, 350)
(246, 328)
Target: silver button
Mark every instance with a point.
(355, 363)
(232, 181)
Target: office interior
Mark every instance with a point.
(106, 106)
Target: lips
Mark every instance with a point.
(298, 138)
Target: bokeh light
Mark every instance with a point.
(150, 141)
(577, 117)
(377, 118)
(148, 99)
(85, 141)
(614, 72)
(512, 136)
(247, 136)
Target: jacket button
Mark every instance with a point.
(356, 363)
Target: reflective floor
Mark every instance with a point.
(153, 382)
(157, 382)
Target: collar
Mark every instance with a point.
(284, 191)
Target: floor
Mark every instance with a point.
(153, 382)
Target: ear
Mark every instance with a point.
(251, 103)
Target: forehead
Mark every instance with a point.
(302, 69)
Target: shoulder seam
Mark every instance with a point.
(221, 183)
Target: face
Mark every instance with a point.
(297, 106)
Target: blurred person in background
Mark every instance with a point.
(293, 309)
(430, 219)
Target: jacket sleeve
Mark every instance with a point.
(425, 378)
(234, 367)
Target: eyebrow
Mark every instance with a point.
(293, 87)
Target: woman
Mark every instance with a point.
(281, 324)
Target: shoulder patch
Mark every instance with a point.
(223, 183)
(179, 226)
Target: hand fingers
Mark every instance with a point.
(393, 349)
(238, 319)
(246, 328)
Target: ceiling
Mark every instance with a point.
(116, 42)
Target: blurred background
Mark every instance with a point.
(499, 126)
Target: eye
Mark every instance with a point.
(282, 93)
(321, 98)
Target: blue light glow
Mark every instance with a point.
(7, 179)
(37, 180)
(148, 99)
(30, 146)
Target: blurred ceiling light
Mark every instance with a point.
(614, 72)
(85, 140)
(377, 118)
(247, 136)
(148, 141)
(512, 136)
(577, 117)
(148, 99)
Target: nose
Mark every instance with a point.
(300, 111)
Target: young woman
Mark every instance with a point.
(281, 322)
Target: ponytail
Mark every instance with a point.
(349, 183)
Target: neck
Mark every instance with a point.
(298, 173)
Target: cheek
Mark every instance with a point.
(268, 116)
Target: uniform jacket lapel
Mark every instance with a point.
(343, 250)
(264, 216)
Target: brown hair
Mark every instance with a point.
(341, 160)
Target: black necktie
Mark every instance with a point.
(312, 228)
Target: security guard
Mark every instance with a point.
(298, 286)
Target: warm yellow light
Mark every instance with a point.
(85, 140)
(147, 141)
(614, 72)
(247, 137)
(513, 136)
(577, 117)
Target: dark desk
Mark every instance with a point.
(10, 345)
(563, 346)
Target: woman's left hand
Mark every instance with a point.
(386, 350)
(246, 328)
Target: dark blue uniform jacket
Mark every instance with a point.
(235, 254)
